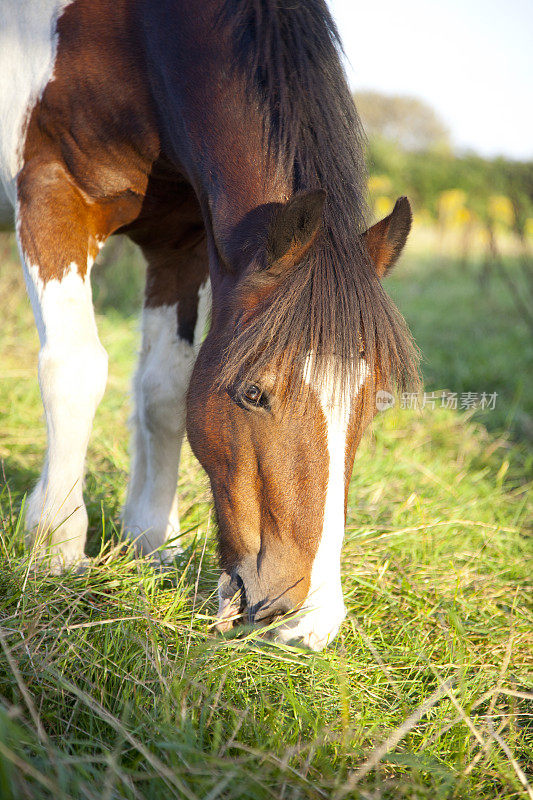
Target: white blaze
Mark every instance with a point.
(319, 619)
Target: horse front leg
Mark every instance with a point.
(58, 240)
(174, 316)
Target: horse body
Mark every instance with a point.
(186, 129)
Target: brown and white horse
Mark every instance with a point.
(220, 136)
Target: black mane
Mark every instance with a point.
(288, 52)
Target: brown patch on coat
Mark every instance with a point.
(171, 234)
(58, 226)
(90, 143)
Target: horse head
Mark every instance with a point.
(276, 437)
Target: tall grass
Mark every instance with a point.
(113, 683)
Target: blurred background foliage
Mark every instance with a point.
(410, 152)
(471, 243)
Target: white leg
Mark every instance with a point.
(72, 378)
(160, 387)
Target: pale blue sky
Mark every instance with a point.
(472, 60)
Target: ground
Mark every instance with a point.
(113, 683)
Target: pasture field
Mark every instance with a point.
(113, 684)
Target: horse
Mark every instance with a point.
(219, 136)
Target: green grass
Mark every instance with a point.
(472, 337)
(112, 684)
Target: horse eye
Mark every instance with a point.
(253, 394)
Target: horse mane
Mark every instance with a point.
(332, 304)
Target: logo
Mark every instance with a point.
(384, 400)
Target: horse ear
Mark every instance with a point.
(385, 240)
(293, 230)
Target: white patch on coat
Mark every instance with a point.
(72, 378)
(318, 621)
(28, 46)
(160, 388)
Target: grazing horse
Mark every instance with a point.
(220, 136)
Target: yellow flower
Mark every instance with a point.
(451, 200)
(379, 184)
(501, 210)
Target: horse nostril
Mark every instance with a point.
(241, 590)
(232, 601)
(269, 611)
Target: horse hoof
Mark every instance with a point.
(56, 564)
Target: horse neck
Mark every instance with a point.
(213, 129)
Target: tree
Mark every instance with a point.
(407, 121)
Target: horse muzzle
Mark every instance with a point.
(313, 623)
(242, 599)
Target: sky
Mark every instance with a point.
(471, 60)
